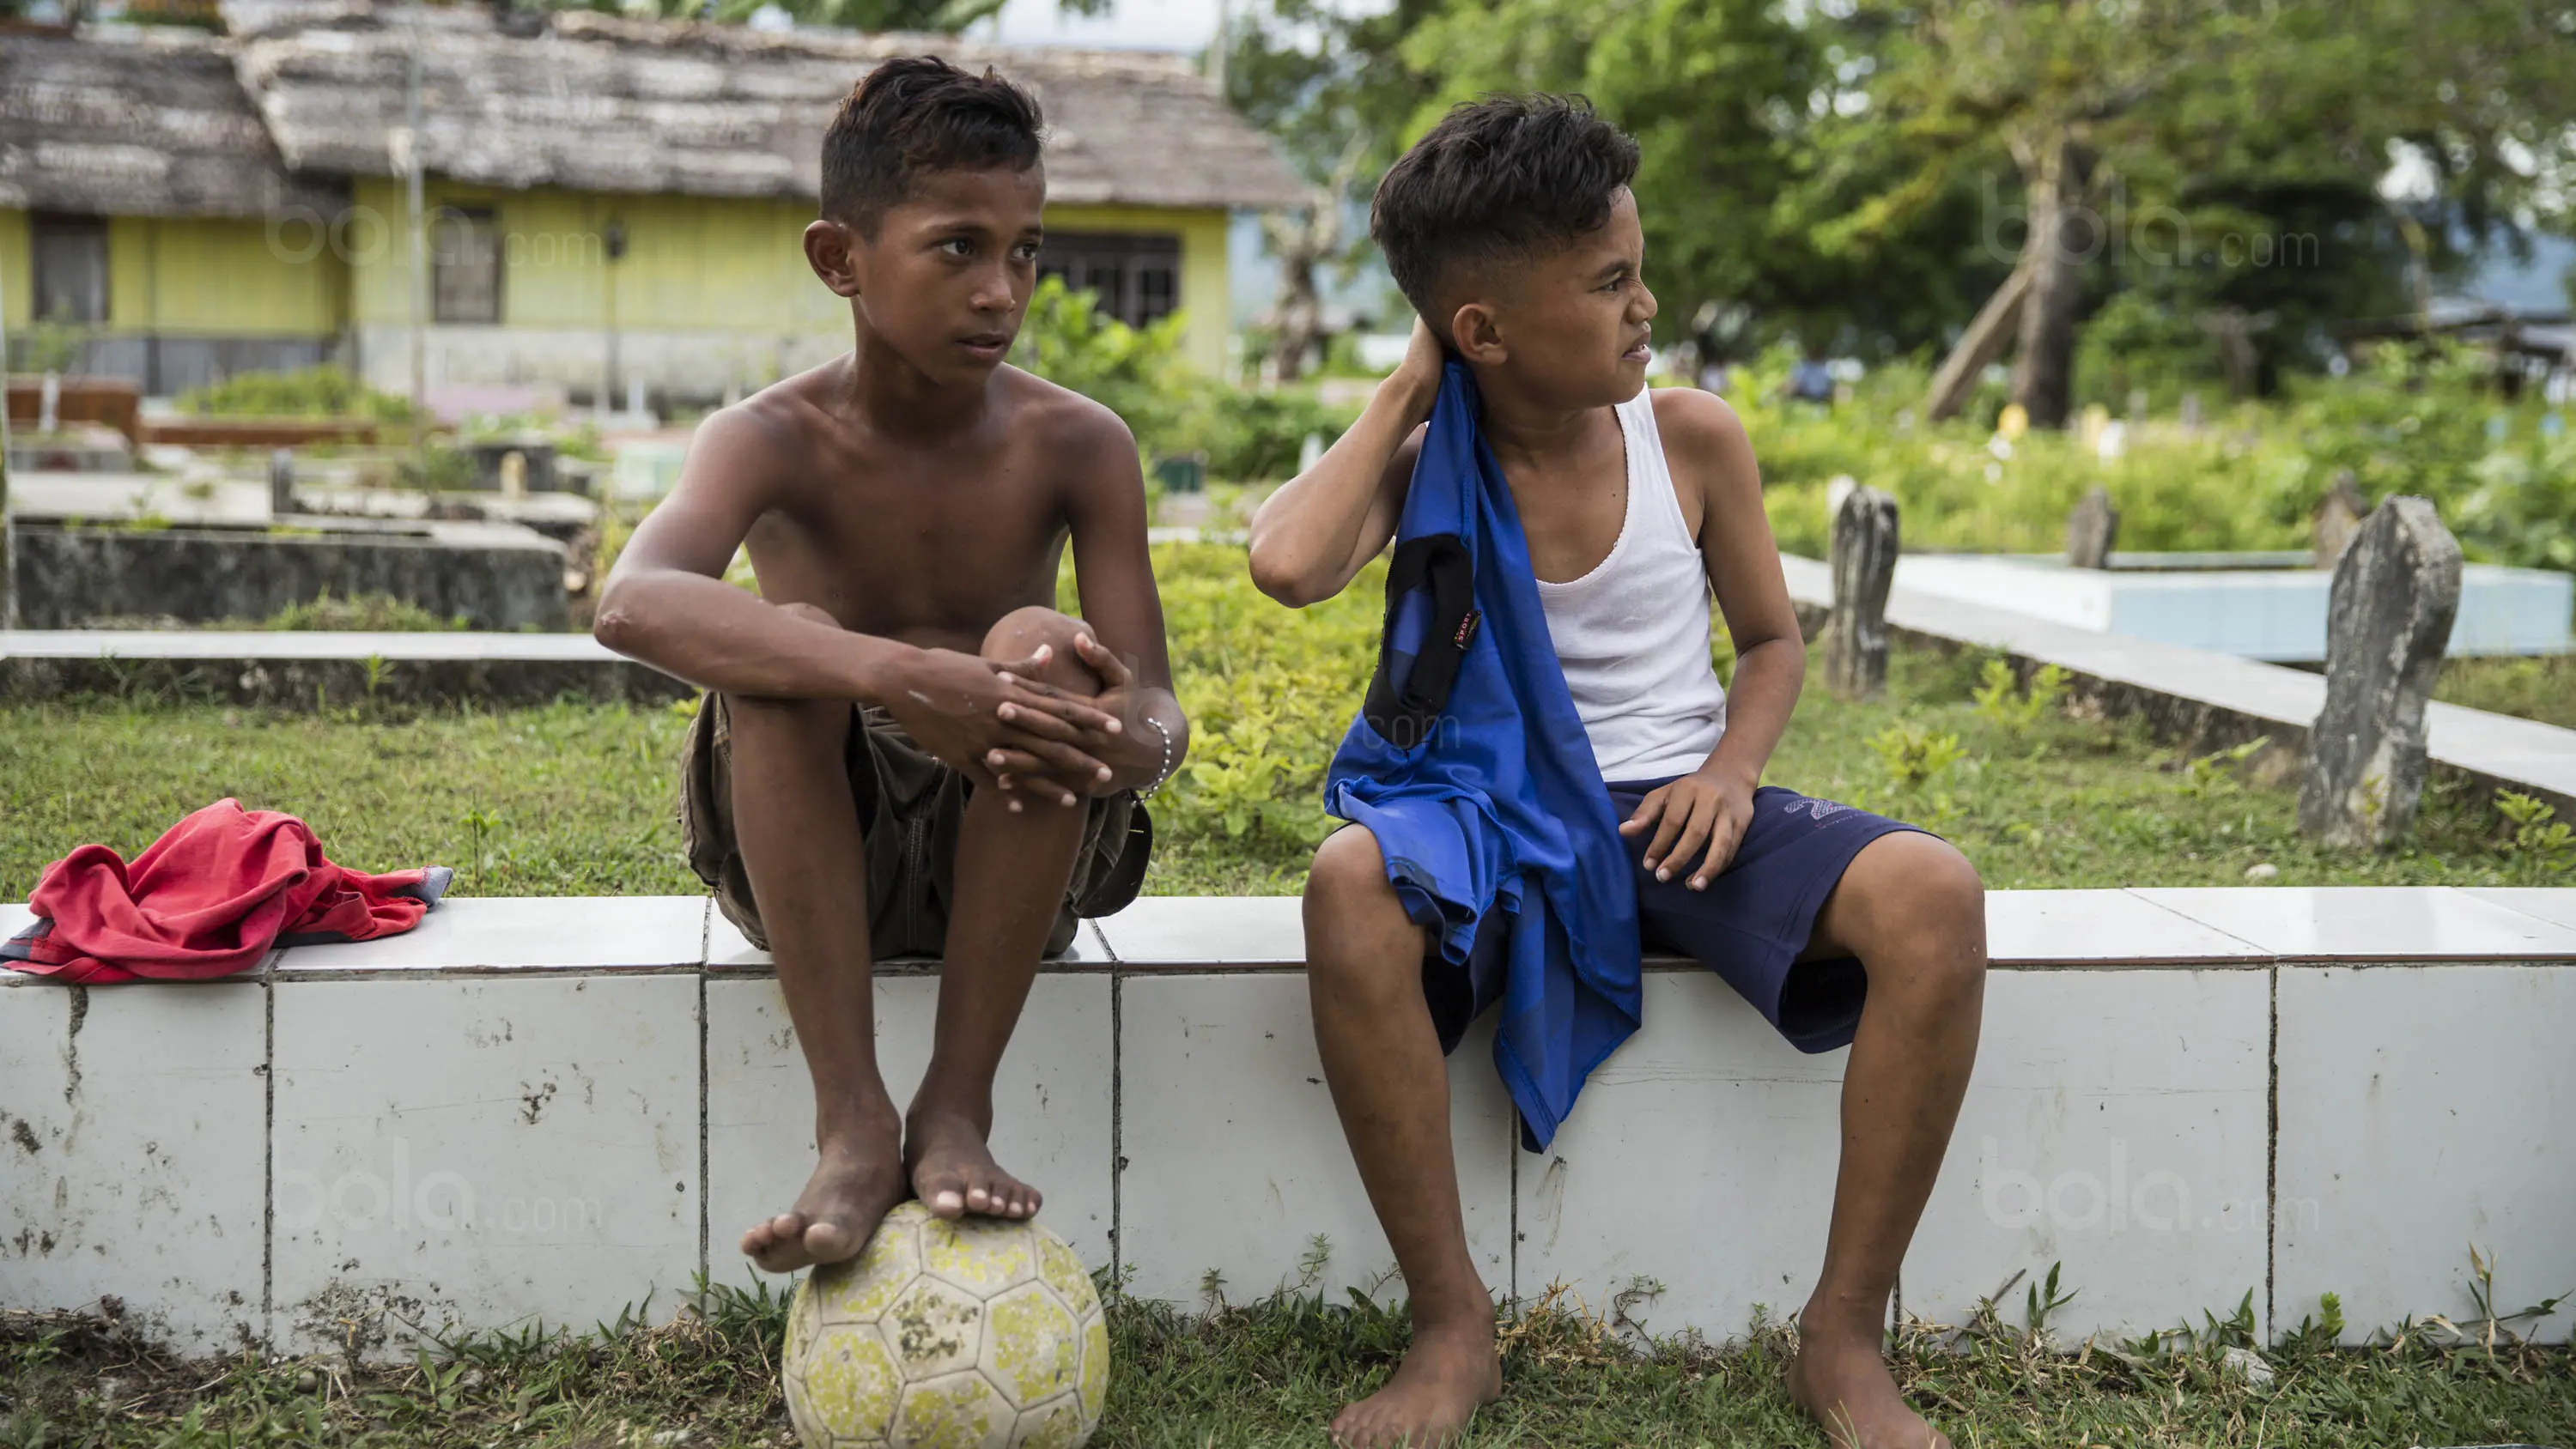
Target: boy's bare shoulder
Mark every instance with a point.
(1706, 438)
(764, 436)
(1064, 422)
(1700, 422)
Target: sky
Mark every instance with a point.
(1141, 24)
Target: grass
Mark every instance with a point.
(578, 799)
(2542, 688)
(1273, 1372)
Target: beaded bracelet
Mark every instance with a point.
(1164, 775)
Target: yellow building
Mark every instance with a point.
(609, 203)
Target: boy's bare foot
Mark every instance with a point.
(857, 1182)
(953, 1172)
(1448, 1374)
(1841, 1379)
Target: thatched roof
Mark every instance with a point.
(597, 102)
(148, 122)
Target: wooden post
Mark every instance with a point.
(2396, 591)
(1864, 565)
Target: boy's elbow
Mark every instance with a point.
(1281, 578)
(615, 625)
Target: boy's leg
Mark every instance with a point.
(1913, 911)
(1011, 872)
(796, 825)
(1382, 1059)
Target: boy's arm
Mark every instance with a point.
(666, 603)
(1114, 573)
(1699, 819)
(1313, 535)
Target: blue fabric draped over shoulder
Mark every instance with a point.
(1470, 766)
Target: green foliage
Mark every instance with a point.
(1172, 407)
(370, 613)
(2406, 422)
(2001, 700)
(2536, 830)
(310, 392)
(2215, 772)
(1915, 756)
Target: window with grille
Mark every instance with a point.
(1136, 277)
(464, 265)
(71, 267)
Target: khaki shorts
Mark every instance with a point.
(911, 806)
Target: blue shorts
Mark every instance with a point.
(1748, 926)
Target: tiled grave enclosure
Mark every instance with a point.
(548, 1110)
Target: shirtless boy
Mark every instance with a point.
(904, 749)
(1512, 231)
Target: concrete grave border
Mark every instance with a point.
(549, 1109)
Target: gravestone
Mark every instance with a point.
(281, 482)
(2340, 510)
(2091, 530)
(2396, 591)
(1864, 565)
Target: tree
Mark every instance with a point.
(2207, 110)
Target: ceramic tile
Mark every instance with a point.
(529, 932)
(2102, 927)
(493, 1153)
(132, 1139)
(727, 950)
(2371, 923)
(1051, 1102)
(1235, 1161)
(2555, 905)
(1690, 1186)
(1161, 931)
(2116, 1127)
(2425, 1112)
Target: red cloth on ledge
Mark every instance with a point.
(209, 898)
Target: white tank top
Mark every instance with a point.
(1633, 634)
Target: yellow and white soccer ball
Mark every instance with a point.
(975, 1334)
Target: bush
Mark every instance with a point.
(1172, 407)
(323, 391)
(2403, 423)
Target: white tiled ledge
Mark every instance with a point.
(2104, 929)
(550, 1109)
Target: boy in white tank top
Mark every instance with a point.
(1512, 231)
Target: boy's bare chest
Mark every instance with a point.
(916, 550)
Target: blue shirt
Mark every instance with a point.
(1470, 766)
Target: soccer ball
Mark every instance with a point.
(977, 1334)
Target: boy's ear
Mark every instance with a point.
(1477, 334)
(828, 248)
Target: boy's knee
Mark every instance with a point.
(1352, 910)
(1019, 633)
(1938, 899)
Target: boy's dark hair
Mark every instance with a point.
(1508, 177)
(918, 113)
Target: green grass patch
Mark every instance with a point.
(579, 799)
(1274, 1372)
(2542, 688)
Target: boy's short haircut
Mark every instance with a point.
(914, 114)
(1505, 178)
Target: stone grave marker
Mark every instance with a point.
(281, 482)
(2396, 591)
(1864, 565)
(2339, 512)
(2092, 529)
